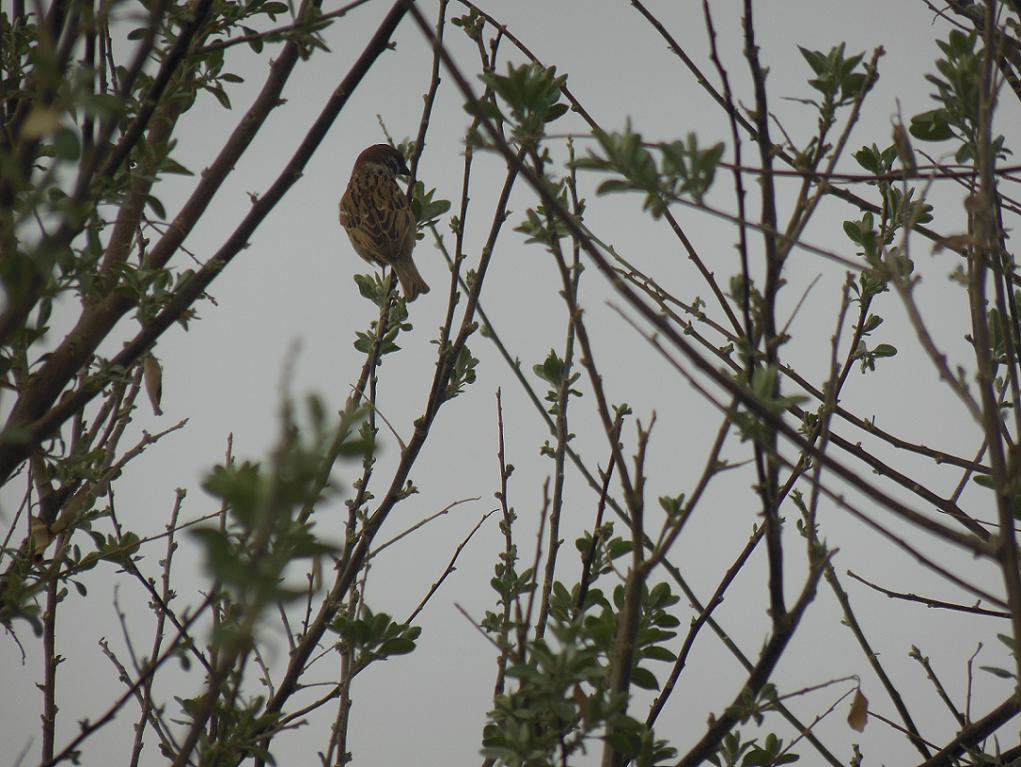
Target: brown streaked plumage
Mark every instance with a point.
(378, 219)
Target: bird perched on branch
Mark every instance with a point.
(377, 217)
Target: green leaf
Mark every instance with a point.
(873, 322)
(644, 679)
(672, 505)
(221, 95)
(156, 207)
(933, 125)
(985, 480)
(623, 743)
(274, 9)
(853, 230)
(102, 104)
(66, 145)
(658, 653)
(815, 59)
(556, 111)
(1002, 673)
(255, 43)
(426, 210)
(551, 370)
(171, 165)
(660, 595)
(238, 485)
(614, 185)
(400, 646)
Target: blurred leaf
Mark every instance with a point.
(41, 122)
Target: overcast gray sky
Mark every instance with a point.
(291, 292)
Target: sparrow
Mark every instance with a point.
(377, 217)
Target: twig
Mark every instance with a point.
(923, 661)
(771, 653)
(449, 568)
(563, 396)
(474, 623)
(530, 604)
(509, 556)
(597, 533)
(430, 96)
(420, 524)
(696, 626)
(929, 601)
(873, 658)
(975, 732)
(836, 497)
(90, 727)
(310, 25)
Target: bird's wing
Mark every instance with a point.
(378, 219)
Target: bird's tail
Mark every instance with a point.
(411, 281)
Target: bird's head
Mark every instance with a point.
(385, 156)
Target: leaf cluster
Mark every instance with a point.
(836, 76)
(373, 636)
(959, 93)
(543, 227)
(262, 531)
(561, 700)
(685, 169)
(427, 210)
(241, 727)
(735, 752)
(560, 703)
(531, 93)
(557, 374)
(378, 290)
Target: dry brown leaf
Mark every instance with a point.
(956, 242)
(904, 150)
(582, 700)
(153, 382)
(859, 714)
(41, 122)
(40, 535)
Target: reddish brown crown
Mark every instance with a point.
(386, 155)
